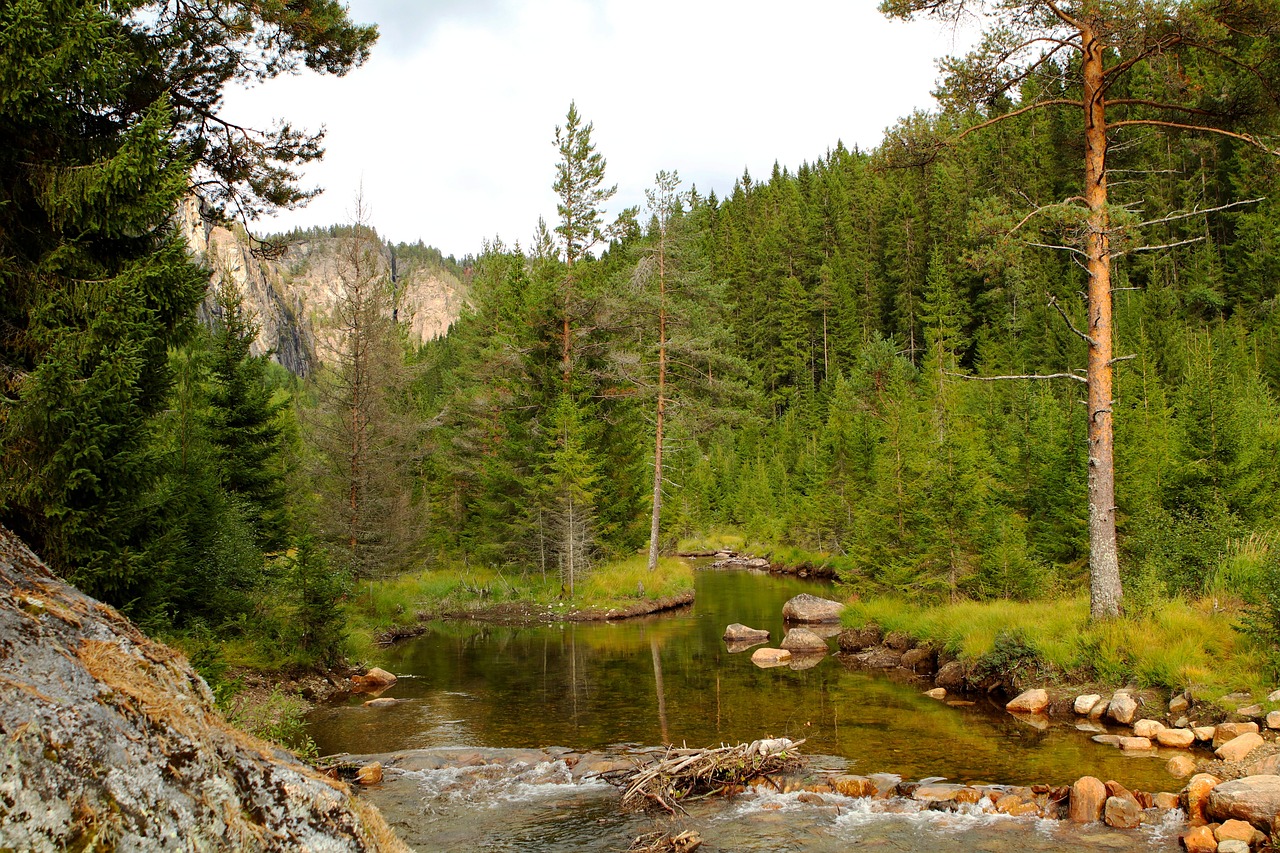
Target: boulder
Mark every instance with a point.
(1088, 799)
(770, 657)
(1199, 839)
(1273, 720)
(1238, 747)
(1204, 733)
(936, 693)
(1254, 799)
(1196, 795)
(919, 659)
(1166, 802)
(1181, 766)
(1269, 766)
(801, 640)
(1029, 702)
(881, 657)
(1123, 708)
(738, 633)
(1084, 704)
(950, 677)
(1106, 740)
(1224, 732)
(1254, 710)
(857, 639)
(1274, 696)
(1179, 704)
(370, 774)
(811, 608)
(899, 641)
(1147, 728)
(374, 679)
(1232, 845)
(1122, 812)
(383, 702)
(1135, 744)
(854, 786)
(1176, 738)
(1236, 830)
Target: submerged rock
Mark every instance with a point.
(770, 657)
(811, 608)
(112, 741)
(802, 640)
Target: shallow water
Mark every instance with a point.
(670, 679)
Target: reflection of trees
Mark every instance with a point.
(657, 686)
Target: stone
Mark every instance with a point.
(770, 657)
(811, 608)
(1122, 812)
(1274, 696)
(1273, 720)
(1088, 799)
(1238, 747)
(1224, 732)
(1135, 744)
(1269, 766)
(1100, 710)
(1029, 702)
(1237, 830)
(919, 659)
(1123, 708)
(1204, 733)
(881, 657)
(1182, 723)
(1084, 704)
(936, 693)
(803, 640)
(1254, 799)
(857, 639)
(1199, 839)
(1232, 845)
(374, 679)
(1147, 728)
(854, 786)
(1176, 738)
(1254, 710)
(739, 633)
(1167, 802)
(941, 792)
(1106, 740)
(807, 660)
(370, 774)
(1197, 797)
(1179, 704)
(383, 702)
(950, 677)
(900, 641)
(1115, 789)
(1089, 726)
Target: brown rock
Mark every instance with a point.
(937, 793)
(1181, 766)
(1135, 744)
(811, 608)
(1225, 732)
(1197, 797)
(1238, 747)
(900, 641)
(384, 702)
(738, 633)
(854, 786)
(1178, 704)
(1177, 738)
(375, 678)
(803, 640)
(1254, 710)
(1235, 830)
(936, 693)
(1115, 789)
(1166, 802)
(1086, 703)
(950, 677)
(857, 639)
(1123, 708)
(770, 657)
(812, 799)
(1106, 740)
(919, 659)
(1029, 702)
(881, 657)
(1199, 839)
(1269, 766)
(1204, 733)
(1147, 728)
(1273, 720)
(370, 774)
(1122, 812)
(1088, 799)
(1255, 799)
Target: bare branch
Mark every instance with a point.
(1020, 376)
(1054, 102)
(1172, 217)
(1064, 203)
(1053, 300)
(1121, 358)
(1199, 128)
(1137, 249)
(1159, 105)
(1071, 249)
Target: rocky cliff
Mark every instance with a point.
(292, 295)
(109, 740)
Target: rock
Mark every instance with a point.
(738, 633)
(807, 660)
(1197, 797)
(1088, 799)
(803, 640)
(1135, 744)
(854, 786)
(1238, 747)
(1147, 728)
(919, 659)
(1089, 726)
(370, 774)
(941, 792)
(881, 657)
(810, 608)
(1178, 704)
(1182, 723)
(811, 799)
(1254, 710)
(1232, 845)
(770, 657)
(857, 639)
(1235, 830)
(1225, 732)
(1084, 704)
(1029, 702)
(1122, 812)
(1100, 710)
(1204, 733)
(374, 679)
(1254, 799)
(1123, 708)
(936, 693)
(1273, 720)
(899, 641)
(1166, 802)
(1274, 696)
(1106, 740)
(950, 677)
(1181, 766)
(1177, 738)
(1199, 839)
(1269, 766)
(112, 741)
(384, 702)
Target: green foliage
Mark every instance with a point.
(1261, 619)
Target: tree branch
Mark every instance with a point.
(1053, 300)
(1199, 128)
(1137, 249)
(1064, 203)
(1055, 102)
(1173, 217)
(1020, 376)
(1071, 249)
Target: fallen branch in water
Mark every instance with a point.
(665, 842)
(681, 775)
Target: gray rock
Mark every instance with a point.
(950, 677)
(1255, 799)
(857, 639)
(739, 633)
(1123, 708)
(880, 657)
(802, 640)
(811, 608)
(1233, 845)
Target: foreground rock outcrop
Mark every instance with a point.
(109, 740)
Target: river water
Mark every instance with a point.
(670, 679)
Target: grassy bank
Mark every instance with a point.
(1178, 645)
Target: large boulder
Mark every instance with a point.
(1177, 738)
(1238, 747)
(1196, 796)
(1123, 708)
(1088, 799)
(803, 641)
(950, 677)
(1255, 799)
(112, 739)
(921, 659)
(1225, 732)
(737, 633)
(1122, 812)
(1029, 702)
(811, 608)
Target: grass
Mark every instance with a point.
(1179, 645)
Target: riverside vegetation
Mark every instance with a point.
(797, 363)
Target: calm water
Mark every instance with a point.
(669, 679)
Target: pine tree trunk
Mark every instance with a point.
(1104, 567)
(655, 521)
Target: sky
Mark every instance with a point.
(448, 129)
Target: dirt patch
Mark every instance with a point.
(640, 608)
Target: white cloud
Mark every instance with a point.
(449, 126)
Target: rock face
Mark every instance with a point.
(802, 641)
(293, 294)
(1255, 799)
(811, 608)
(111, 740)
(738, 633)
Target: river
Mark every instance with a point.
(670, 679)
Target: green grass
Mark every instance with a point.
(1178, 646)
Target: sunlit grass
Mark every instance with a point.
(1178, 646)
(714, 541)
(624, 582)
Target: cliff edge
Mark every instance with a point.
(109, 740)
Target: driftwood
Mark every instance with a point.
(680, 775)
(665, 842)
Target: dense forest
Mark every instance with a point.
(882, 356)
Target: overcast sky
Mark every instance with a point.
(449, 126)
